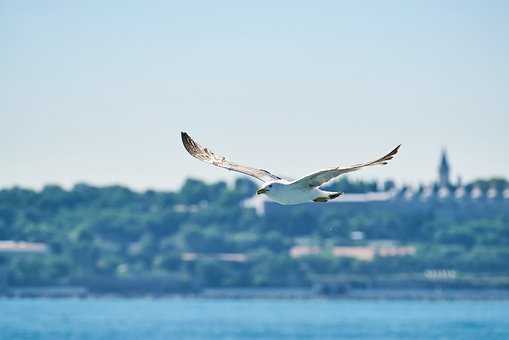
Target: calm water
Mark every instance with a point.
(251, 319)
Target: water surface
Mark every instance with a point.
(251, 319)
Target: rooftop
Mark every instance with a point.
(9, 246)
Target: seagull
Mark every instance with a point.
(282, 190)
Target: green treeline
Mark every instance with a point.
(112, 238)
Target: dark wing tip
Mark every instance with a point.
(388, 157)
(395, 151)
(188, 142)
(392, 153)
(185, 137)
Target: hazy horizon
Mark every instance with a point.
(99, 93)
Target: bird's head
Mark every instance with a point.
(264, 189)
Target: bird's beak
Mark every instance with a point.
(261, 191)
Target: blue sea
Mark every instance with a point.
(141, 319)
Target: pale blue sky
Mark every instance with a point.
(98, 92)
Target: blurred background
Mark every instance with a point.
(99, 198)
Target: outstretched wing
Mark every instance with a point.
(207, 155)
(320, 177)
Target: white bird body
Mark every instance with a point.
(285, 192)
(304, 189)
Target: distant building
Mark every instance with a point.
(14, 248)
(22, 247)
(443, 192)
(460, 193)
(492, 193)
(223, 257)
(476, 193)
(360, 253)
(299, 251)
(374, 249)
(444, 170)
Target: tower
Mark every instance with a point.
(443, 170)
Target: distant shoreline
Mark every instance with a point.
(270, 293)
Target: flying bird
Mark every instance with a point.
(281, 190)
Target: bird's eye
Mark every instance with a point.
(270, 186)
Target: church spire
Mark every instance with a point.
(443, 170)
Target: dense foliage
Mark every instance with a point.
(109, 237)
